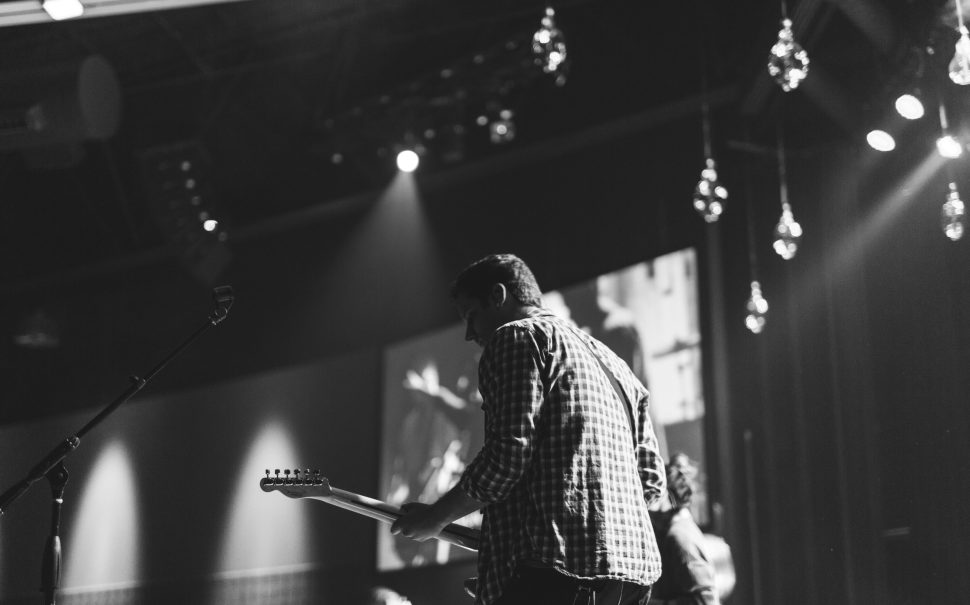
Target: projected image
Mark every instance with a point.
(432, 427)
(432, 419)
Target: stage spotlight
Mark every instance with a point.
(181, 196)
(909, 106)
(408, 160)
(58, 10)
(949, 147)
(502, 129)
(880, 140)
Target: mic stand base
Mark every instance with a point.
(51, 571)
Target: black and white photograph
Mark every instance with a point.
(520, 302)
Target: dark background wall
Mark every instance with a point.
(839, 435)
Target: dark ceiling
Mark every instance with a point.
(260, 95)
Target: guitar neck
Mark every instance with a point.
(459, 535)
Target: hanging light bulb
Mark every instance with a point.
(788, 62)
(709, 194)
(960, 63)
(909, 106)
(549, 47)
(757, 306)
(949, 147)
(880, 140)
(757, 309)
(952, 214)
(788, 233)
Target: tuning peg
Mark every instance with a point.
(296, 477)
(277, 479)
(286, 478)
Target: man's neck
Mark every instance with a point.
(523, 312)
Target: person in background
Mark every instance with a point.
(688, 575)
(570, 463)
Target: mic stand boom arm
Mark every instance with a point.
(223, 297)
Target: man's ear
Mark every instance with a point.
(498, 295)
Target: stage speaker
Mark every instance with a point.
(60, 105)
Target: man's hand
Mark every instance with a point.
(423, 521)
(419, 522)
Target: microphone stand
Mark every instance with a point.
(50, 572)
(52, 465)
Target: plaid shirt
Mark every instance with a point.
(562, 483)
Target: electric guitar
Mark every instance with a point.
(312, 485)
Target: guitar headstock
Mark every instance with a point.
(297, 483)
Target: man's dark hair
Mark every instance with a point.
(477, 279)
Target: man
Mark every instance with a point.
(688, 573)
(564, 477)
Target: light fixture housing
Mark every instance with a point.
(60, 10)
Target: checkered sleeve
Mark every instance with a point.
(509, 378)
(649, 463)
